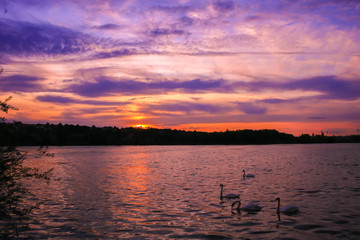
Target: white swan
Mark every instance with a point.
(247, 175)
(230, 195)
(250, 207)
(288, 209)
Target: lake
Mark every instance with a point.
(173, 192)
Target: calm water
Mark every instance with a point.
(172, 192)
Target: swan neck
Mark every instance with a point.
(238, 203)
(278, 207)
(221, 193)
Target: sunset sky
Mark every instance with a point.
(198, 65)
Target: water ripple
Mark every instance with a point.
(169, 192)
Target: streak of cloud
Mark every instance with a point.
(20, 83)
(104, 86)
(69, 100)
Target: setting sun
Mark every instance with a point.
(141, 126)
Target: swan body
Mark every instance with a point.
(288, 209)
(229, 195)
(249, 175)
(250, 207)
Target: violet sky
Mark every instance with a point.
(201, 65)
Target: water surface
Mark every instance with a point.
(172, 192)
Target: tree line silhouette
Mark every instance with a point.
(19, 134)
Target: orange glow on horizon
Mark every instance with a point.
(54, 114)
(141, 126)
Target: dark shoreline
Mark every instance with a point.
(19, 134)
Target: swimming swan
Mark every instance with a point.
(230, 195)
(250, 207)
(247, 175)
(288, 209)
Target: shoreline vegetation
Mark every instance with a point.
(20, 134)
(14, 212)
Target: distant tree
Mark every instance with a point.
(12, 192)
(5, 107)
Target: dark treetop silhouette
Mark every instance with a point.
(20, 134)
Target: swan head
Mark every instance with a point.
(243, 170)
(221, 185)
(276, 199)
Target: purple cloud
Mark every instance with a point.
(198, 84)
(344, 14)
(173, 9)
(274, 100)
(20, 83)
(287, 100)
(105, 86)
(115, 53)
(22, 38)
(250, 108)
(252, 18)
(224, 5)
(109, 26)
(186, 21)
(68, 100)
(186, 107)
(165, 31)
(330, 87)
